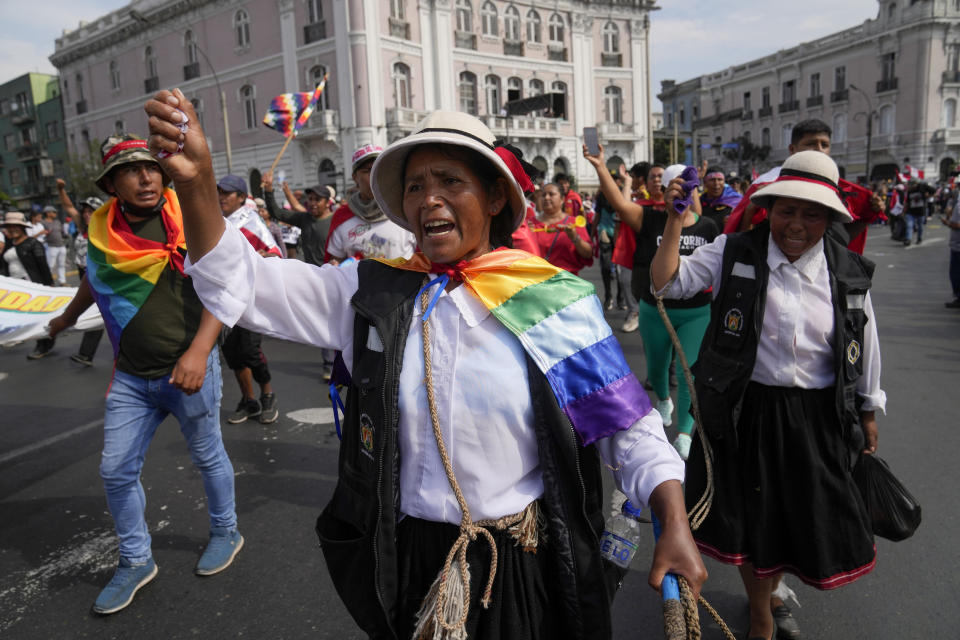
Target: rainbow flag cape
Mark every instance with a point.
(122, 268)
(290, 111)
(559, 321)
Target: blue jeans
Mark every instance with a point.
(135, 407)
(915, 221)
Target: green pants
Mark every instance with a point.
(690, 325)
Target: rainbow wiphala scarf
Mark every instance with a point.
(122, 268)
(559, 321)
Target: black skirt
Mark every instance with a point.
(785, 499)
(520, 604)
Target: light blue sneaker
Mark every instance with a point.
(223, 547)
(124, 584)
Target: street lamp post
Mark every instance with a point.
(223, 109)
(870, 113)
(139, 17)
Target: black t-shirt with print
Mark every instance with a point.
(701, 232)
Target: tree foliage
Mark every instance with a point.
(747, 155)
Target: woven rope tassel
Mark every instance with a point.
(443, 613)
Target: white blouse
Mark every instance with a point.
(480, 384)
(796, 341)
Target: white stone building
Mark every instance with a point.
(903, 67)
(390, 62)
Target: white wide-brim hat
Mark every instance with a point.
(440, 127)
(810, 176)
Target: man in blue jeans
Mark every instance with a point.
(165, 358)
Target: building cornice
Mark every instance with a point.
(117, 27)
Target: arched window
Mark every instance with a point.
(114, 75)
(560, 166)
(315, 77)
(249, 100)
(559, 87)
(886, 119)
(151, 61)
(464, 16)
(488, 19)
(514, 88)
(190, 43)
(511, 24)
(468, 92)
(949, 113)
(765, 137)
(491, 91)
(611, 38)
(241, 27)
(401, 85)
(892, 9)
(314, 11)
(118, 128)
(555, 28)
(613, 104)
(80, 97)
(536, 87)
(534, 27)
(839, 128)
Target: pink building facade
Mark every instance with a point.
(389, 63)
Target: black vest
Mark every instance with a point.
(357, 529)
(729, 349)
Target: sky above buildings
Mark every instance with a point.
(688, 37)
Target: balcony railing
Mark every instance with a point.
(325, 124)
(399, 28)
(191, 71)
(556, 52)
(404, 118)
(787, 107)
(314, 32)
(150, 85)
(890, 84)
(611, 59)
(613, 130)
(464, 40)
(747, 115)
(814, 101)
(840, 95)
(22, 116)
(951, 76)
(29, 152)
(765, 112)
(513, 47)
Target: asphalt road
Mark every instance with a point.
(57, 547)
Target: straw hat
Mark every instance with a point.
(810, 176)
(440, 127)
(125, 149)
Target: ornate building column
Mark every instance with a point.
(581, 54)
(640, 66)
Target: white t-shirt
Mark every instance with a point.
(14, 265)
(384, 239)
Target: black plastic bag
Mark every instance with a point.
(894, 512)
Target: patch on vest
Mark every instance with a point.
(853, 352)
(733, 322)
(366, 435)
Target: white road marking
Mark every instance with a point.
(925, 243)
(46, 442)
(4, 375)
(315, 415)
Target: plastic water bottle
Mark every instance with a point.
(621, 536)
